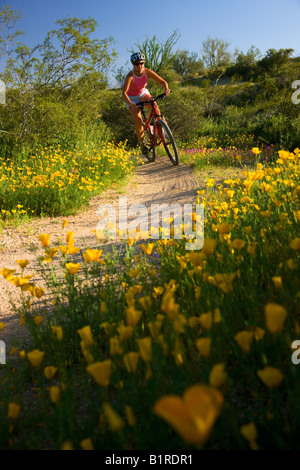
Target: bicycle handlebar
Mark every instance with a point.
(159, 97)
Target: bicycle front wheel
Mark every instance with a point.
(150, 144)
(169, 142)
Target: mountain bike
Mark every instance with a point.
(157, 131)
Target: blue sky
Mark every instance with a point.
(263, 23)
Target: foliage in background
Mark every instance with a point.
(53, 88)
(158, 54)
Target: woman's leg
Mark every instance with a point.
(138, 123)
(147, 98)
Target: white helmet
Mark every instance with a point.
(136, 57)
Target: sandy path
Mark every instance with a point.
(153, 183)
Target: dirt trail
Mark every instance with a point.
(153, 183)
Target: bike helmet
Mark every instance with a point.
(136, 57)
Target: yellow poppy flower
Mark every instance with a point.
(147, 249)
(55, 394)
(155, 328)
(209, 245)
(45, 239)
(275, 316)
(145, 302)
(132, 316)
(131, 361)
(237, 244)
(7, 273)
(58, 331)
(217, 376)
(249, 432)
(87, 444)
(50, 254)
(244, 340)
(224, 228)
(114, 346)
(13, 410)
(168, 304)
(259, 333)
(114, 420)
(125, 332)
(295, 244)
(270, 376)
(69, 238)
(100, 371)
(193, 415)
(22, 263)
(38, 319)
(50, 371)
(206, 320)
(193, 322)
(131, 419)
(35, 357)
(145, 348)
(277, 281)
(67, 445)
(85, 334)
(91, 255)
(73, 268)
(203, 345)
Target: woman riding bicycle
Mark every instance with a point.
(134, 91)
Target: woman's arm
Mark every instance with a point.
(158, 79)
(126, 86)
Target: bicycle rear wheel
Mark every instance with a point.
(150, 144)
(169, 142)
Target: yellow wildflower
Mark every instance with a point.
(249, 432)
(13, 410)
(193, 415)
(100, 371)
(35, 357)
(45, 239)
(131, 361)
(87, 444)
(275, 316)
(114, 420)
(203, 345)
(50, 371)
(73, 268)
(217, 375)
(22, 263)
(145, 348)
(270, 376)
(85, 334)
(244, 340)
(55, 394)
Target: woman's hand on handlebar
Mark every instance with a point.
(133, 106)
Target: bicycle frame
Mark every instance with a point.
(160, 134)
(152, 117)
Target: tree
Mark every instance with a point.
(8, 33)
(245, 64)
(158, 54)
(215, 53)
(273, 60)
(54, 86)
(186, 63)
(120, 75)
